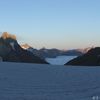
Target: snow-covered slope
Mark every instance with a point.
(45, 82)
(60, 60)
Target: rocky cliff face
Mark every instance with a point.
(11, 51)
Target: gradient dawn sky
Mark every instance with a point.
(63, 24)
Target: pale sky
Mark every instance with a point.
(63, 24)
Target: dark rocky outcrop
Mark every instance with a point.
(11, 51)
(91, 58)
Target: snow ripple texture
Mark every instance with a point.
(46, 82)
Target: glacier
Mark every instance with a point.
(60, 60)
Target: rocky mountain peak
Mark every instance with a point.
(6, 35)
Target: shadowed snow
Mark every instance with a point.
(45, 82)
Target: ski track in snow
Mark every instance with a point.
(46, 82)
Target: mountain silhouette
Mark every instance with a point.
(11, 51)
(91, 58)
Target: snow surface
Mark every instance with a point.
(46, 82)
(60, 60)
(12, 45)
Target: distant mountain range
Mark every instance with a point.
(52, 53)
(11, 51)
